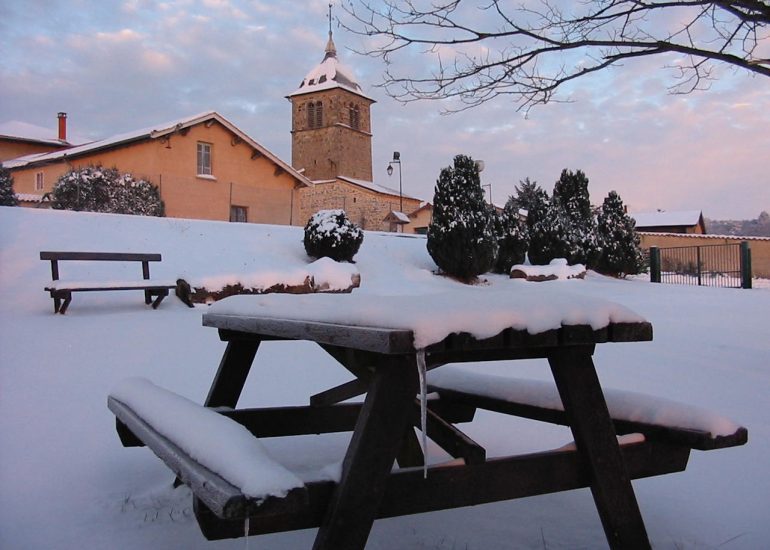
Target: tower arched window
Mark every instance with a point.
(311, 114)
(355, 116)
(319, 114)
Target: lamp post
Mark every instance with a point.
(397, 160)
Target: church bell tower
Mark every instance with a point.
(330, 122)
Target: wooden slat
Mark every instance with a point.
(101, 256)
(387, 341)
(219, 495)
(455, 347)
(454, 486)
(695, 439)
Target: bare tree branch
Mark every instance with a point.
(479, 50)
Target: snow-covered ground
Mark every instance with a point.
(66, 482)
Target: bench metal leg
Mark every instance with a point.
(159, 295)
(594, 433)
(63, 307)
(376, 440)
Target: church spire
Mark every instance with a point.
(331, 50)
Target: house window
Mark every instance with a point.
(238, 214)
(39, 181)
(355, 116)
(204, 159)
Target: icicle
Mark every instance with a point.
(246, 531)
(421, 370)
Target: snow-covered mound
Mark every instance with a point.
(67, 483)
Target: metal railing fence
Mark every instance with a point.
(723, 265)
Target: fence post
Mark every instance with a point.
(654, 264)
(745, 265)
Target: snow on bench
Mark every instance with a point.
(222, 462)
(61, 291)
(631, 412)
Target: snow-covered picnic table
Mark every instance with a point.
(389, 343)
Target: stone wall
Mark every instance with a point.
(364, 207)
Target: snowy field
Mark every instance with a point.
(67, 483)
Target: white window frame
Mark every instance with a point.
(203, 159)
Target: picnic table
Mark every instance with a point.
(388, 355)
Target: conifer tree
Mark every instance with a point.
(461, 237)
(526, 194)
(512, 239)
(547, 230)
(618, 240)
(7, 196)
(571, 197)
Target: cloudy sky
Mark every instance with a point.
(116, 66)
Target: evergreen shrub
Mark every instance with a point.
(461, 235)
(329, 233)
(7, 196)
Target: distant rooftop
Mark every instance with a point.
(661, 218)
(24, 131)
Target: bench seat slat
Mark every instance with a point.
(84, 286)
(203, 439)
(631, 412)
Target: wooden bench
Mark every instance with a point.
(655, 418)
(61, 291)
(222, 508)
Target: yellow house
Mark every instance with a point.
(204, 166)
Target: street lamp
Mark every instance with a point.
(397, 160)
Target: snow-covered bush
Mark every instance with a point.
(97, 189)
(7, 196)
(461, 236)
(620, 253)
(329, 233)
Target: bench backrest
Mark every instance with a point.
(101, 256)
(54, 257)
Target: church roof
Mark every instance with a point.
(329, 74)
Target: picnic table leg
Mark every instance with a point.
(594, 433)
(231, 376)
(375, 443)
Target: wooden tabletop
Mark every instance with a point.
(392, 341)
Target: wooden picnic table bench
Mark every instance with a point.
(61, 291)
(385, 361)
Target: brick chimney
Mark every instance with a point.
(62, 126)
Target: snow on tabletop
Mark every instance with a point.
(216, 442)
(623, 405)
(480, 311)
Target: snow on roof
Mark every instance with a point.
(397, 217)
(329, 74)
(376, 187)
(153, 132)
(25, 131)
(663, 218)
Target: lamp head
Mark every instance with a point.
(390, 169)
